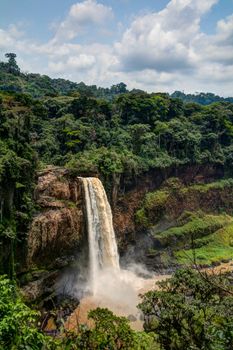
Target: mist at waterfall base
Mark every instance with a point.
(105, 283)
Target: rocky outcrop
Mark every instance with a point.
(168, 206)
(130, 197)
(41, 284)
(57, 231)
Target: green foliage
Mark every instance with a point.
(173, 193)
(153, 207)
(200, 98)
(108, 332)
(213, 248)
(198, 226)
(118, 135)
(113, 133)
(179, 219)
(17, 321)
(11, 66)
(190, 311)
(137, 131)
(204, 188)
(17, 166)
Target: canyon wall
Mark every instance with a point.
(56, 238)
(143, 213)
(57, 231)
(167, 214)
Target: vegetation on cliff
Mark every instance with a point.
(182, 218)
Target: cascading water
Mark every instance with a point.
(103, 252)
(110, 286)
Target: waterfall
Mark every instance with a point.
(103, 252)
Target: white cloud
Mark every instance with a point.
(163, 41)
(225, 30)
(81, 16)
(163, 50)
(216, 50)
(6, 40)
(79, 62)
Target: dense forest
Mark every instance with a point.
(117, 135)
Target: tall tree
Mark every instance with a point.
(12, 64)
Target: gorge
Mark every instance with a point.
(73, 234)
(145, 231)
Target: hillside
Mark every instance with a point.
(38, 86)
(12, 79)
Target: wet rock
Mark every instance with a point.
(57, 231)
(42, 286)
(132, 318)
(55, 310)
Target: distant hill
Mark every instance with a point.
(12, 79)
(203, 98)
(41, 85)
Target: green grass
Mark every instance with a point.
(141, 218)
(218, 247)
(195, 228)
(157, 198)
(203, 224)
(203, 188)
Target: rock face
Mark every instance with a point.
(57, 236)
(129, 201)
(57, 232)
(158, 216)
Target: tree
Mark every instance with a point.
(118, 88)
(17, 321)
(191, 312)
(109, 332)
(12, 64)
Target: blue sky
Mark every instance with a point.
(155, 45)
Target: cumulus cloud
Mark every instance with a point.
(78, 62)
(162, 41)
(6, 40)
(225, 29)
(216, 50)
(164, 50)
(82, 15)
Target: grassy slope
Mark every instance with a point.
(208, 226)
(213, 248)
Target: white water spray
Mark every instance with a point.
(110, 286)
(103, 252)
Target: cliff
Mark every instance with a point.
(58, 229)
(160, 216)
(131, 198)
(165, 215)
(57, 233)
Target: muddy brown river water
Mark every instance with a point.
(116, 305)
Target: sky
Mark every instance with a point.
(154, 45)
